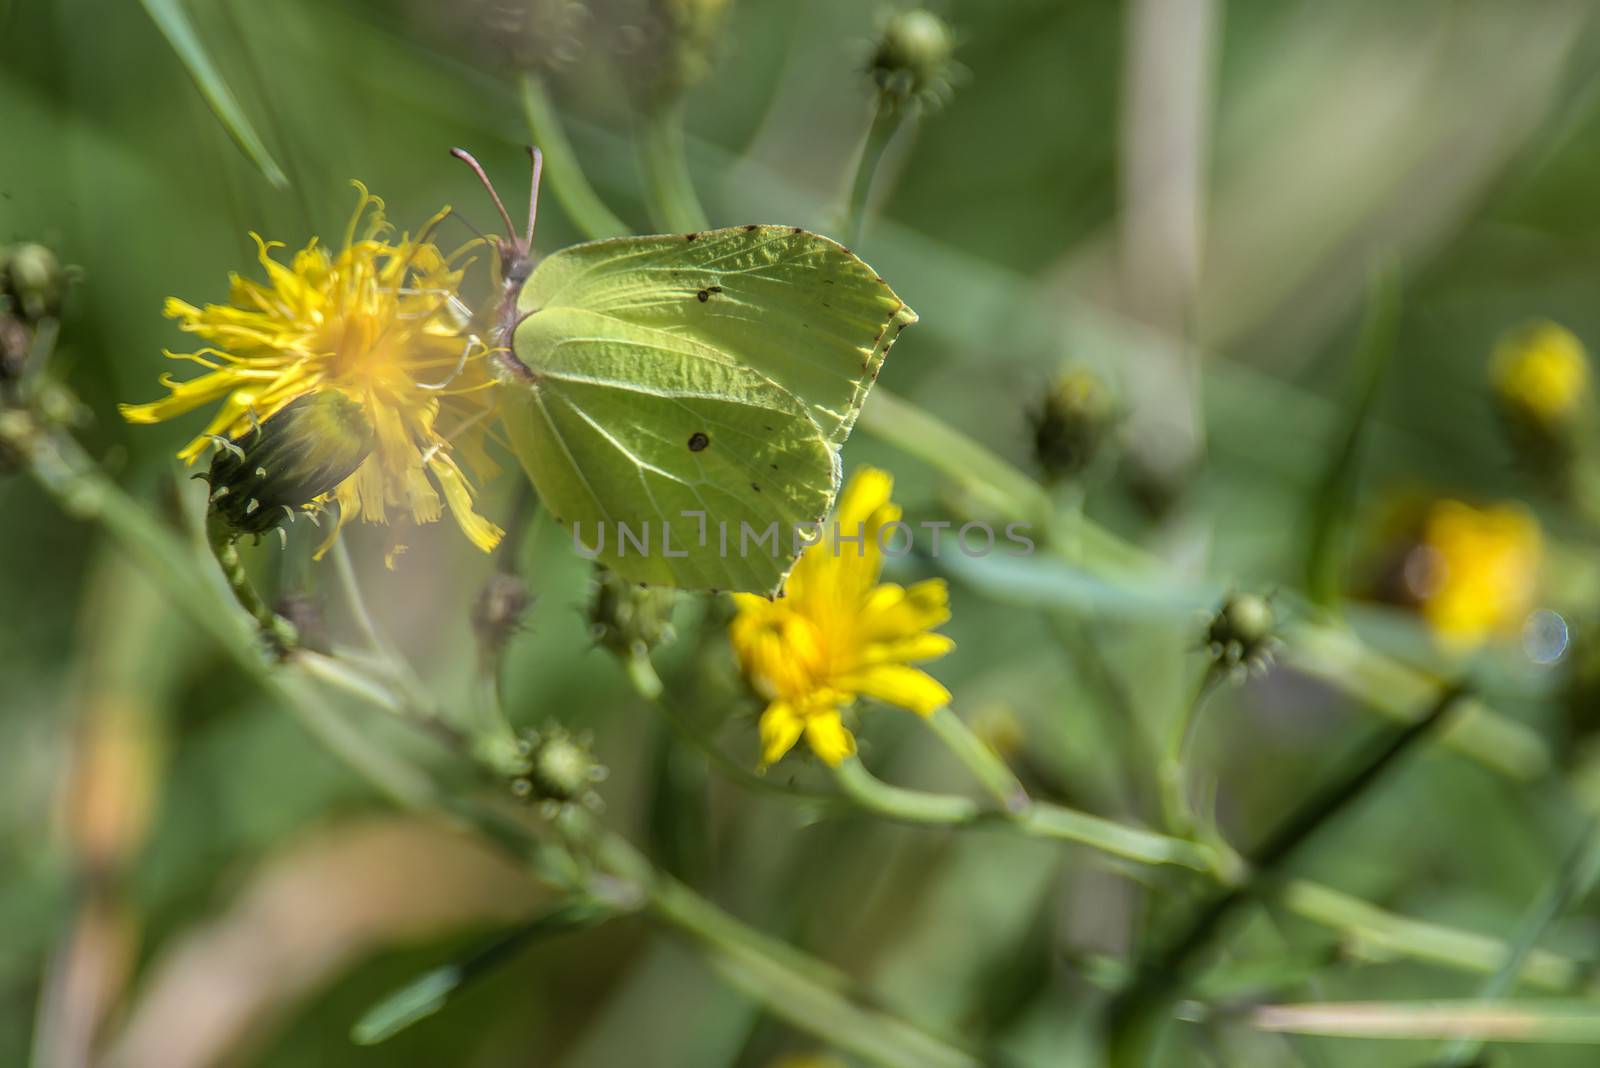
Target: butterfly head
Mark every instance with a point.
(515, 249)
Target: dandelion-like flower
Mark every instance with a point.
(380, 322)
(1474, 571)
(838, 633)
(1541, 373)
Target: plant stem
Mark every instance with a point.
(1039, 820)
(563, 173)
(887, 118)
(674, 205)
(224, 544)
(1177, 812)
(979, 759)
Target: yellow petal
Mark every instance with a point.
(907, 650)
(896, 684)
(780, 729)
(891, 612)
(867, 491)
(482, 533)
(829, 738)
(185, 397)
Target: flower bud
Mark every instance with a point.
(1075, 421)
(1540, 377)
(629, 620)
(32, 281)
(289, 461)
(556, 767)
(913, 59)
(1243, 634)
(16, 342)
(693, 29)
(497, 613)
(1541, 372)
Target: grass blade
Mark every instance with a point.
(173, 22)
(430, 991)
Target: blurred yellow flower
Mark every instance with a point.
(1474, 571)
(379, 321)
(1541, 372)
(838, 633)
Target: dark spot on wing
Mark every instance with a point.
(703, 296)
(751, 227)
(698, 441)
(773, 466)
(713, 289)
(798, 230)
(755, 487)
(691, 237)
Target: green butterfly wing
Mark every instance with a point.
(713, 374)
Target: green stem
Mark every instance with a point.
(1372, 933)
(1039, 820)
(224, 544)
(674, 205)
(563, 174)
(1177, 811)
(979, 759)
(886, 121)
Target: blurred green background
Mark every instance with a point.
(1186, 198)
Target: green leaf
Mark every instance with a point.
(173, 22)
(1336, 492)
(714, 373)
(430, 991)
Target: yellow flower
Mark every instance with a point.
(838, 633)
(379, 321)
(1541, 372)
(1475, 571)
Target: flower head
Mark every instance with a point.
(1541, 374)
(380, 322)
(1473, 572)
(838, 633)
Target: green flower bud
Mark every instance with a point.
(629, 620)
(557, 768)
(33, 281)
(913, 59)
(286, 463)
(692, 28)
(1075, 421)
(1243, 634)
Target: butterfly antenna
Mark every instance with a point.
(477, 168)
(537, 159)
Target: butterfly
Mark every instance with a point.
(679, 400)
